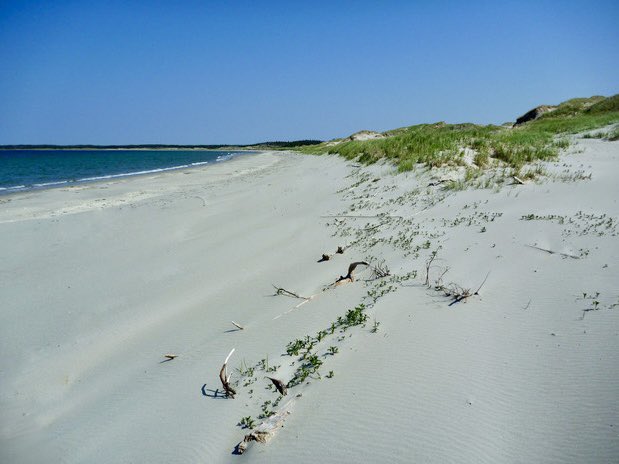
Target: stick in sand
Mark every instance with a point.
(565, 255)
(225, 378)
(351, 269)
(283, 291)
(239, 326)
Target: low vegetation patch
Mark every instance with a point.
(442, 144)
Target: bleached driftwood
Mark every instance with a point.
(225, 378)
(267, 429)
(239, 326)
(518, 180)
(170, 356)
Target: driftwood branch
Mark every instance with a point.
(266, 429)
(225, 378)
(279, 385)
(518, 180)
(350, 276)
(239, 326)
(283, 291)
(326, 257)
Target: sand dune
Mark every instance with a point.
(99, 282)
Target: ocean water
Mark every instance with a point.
(36, 169)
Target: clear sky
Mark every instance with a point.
(109, 72)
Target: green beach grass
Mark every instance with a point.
(442, 144)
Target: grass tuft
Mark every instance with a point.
(441, 144)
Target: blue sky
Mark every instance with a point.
(242, 72)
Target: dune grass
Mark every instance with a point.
(442, 144)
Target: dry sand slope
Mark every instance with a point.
(99, 282)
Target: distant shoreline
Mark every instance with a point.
(174, 160)
(273, 145)
(121, 148)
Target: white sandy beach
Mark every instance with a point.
(99, 281)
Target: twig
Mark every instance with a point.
(428, 265)
(566, 255)
(380, 270)
(482, 284)
(283, 291)
(459, 293)
(439, 281)
(240, 327)
(170, 356)
(518, 180)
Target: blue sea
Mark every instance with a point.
(35, 169)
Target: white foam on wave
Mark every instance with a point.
(47, 184)
(13, 187)
(221, 158)
(136, 173)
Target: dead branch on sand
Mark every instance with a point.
(283, 291)
(350, 277)
(326, 257)
(170, 356)
(428, 266)
(225, 378)
(565, 255)
(439, 282)
(239, 326)
(458, 293)
(380, 270)
(266, 429)
(279, 385)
